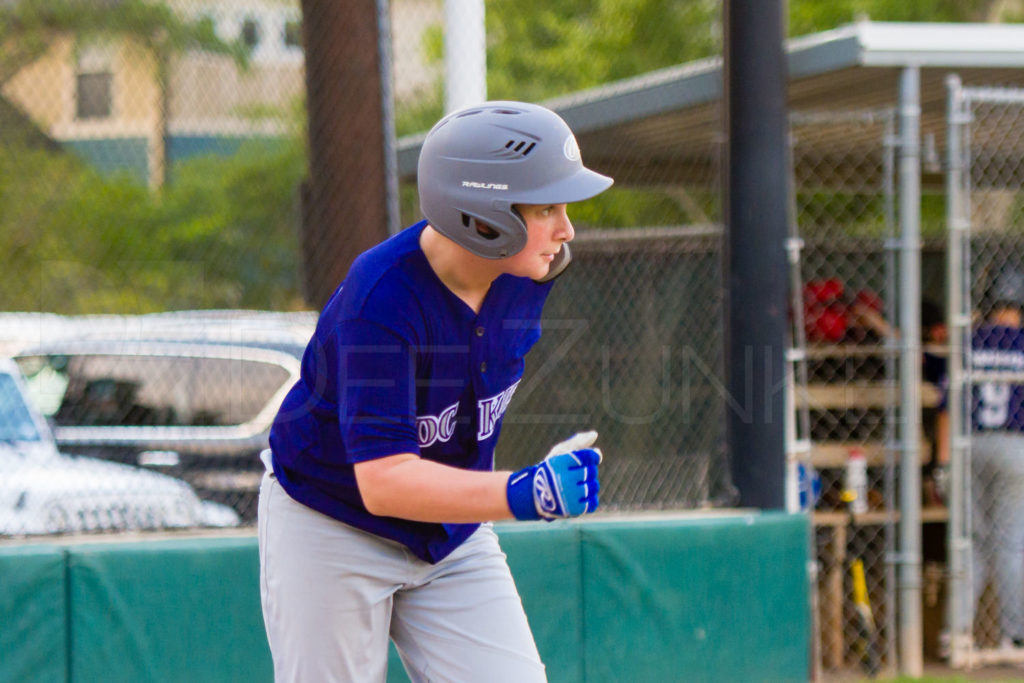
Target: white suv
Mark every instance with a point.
(43, 491)
(189, 394)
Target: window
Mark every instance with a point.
(94, 79)
(292, 33)
(15, 419)
(250, 33)
(94, 96)
(127, 390)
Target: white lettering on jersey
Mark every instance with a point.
(997, 359)
(490, 411)
(432, 429)
(993, 404)
(998, 403)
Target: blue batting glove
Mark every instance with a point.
(564, 484)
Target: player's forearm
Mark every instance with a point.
(407, 487)
(942, 438)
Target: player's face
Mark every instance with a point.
(547, 228)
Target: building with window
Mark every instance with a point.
(106, 98)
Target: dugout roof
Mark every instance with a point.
(664, 127)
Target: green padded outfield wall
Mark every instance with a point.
(33, 611)
(716, 599)
(675, 598)
(181, 610)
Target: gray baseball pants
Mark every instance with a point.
(997, 523)
(333, 595)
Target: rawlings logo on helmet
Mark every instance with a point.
(484, 186)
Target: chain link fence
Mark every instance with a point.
(155, 176)
(986, 398)
(633, 348)
(155, 173)
(844, 202)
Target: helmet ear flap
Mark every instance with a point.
(517, 218)
(501, 231)
(513, 210)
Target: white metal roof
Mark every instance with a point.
(923, 44)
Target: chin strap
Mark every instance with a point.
(562, 260)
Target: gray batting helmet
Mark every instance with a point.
(1008, 287)
(477, 162)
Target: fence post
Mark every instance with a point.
(960, 603)
(465, 54)
(348, 197)
(755, 263)
(911, 655)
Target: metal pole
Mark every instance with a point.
(465, 53)
(798, 414)
(387, 96)
(911, 655)
(961, 602)
(892, 411)
(755, 263)
(345, 199)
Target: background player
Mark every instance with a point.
(380, 471)
(997, 454)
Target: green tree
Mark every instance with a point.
(539, 49)
(28, 28)
(222, 235)
(809, 16)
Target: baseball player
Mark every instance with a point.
(375, 510)
(997, 455)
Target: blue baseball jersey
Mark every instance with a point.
(998, 405)
(399, 364)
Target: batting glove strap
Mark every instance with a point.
(562, 485)
(520, 494)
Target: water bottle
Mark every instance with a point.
(857, 481)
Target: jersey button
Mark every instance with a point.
(483, 367)
(479, 331)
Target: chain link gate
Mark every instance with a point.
(632, 347)
(986, 373)
(844, 208)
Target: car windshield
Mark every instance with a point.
(16, 422)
